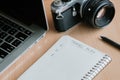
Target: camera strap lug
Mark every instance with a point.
(59, 16)
(74, 13)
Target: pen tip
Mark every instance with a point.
(100, 37)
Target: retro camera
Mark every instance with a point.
(67, 13)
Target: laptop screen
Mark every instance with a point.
(27, 11)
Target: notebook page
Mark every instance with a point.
(68, 59)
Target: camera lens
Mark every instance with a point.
(98, 13)
(101, 13)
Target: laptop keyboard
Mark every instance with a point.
(11, 36)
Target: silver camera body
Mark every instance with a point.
(67, 13)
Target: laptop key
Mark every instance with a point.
(9, 39)
(1, 24)
(21, 29)
(21, 36)
(12, 31)
(28, 32)
(6, 28)
(3, 35)
(7, 47)
(1, 41)
(3, 54)
(16, 43)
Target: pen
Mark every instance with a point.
(111, 42)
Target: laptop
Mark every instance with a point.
(22, 23)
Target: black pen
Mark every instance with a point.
(111, 42)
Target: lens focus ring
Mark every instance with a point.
(98, 13)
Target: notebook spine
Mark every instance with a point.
(97, 68)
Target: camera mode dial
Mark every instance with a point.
(57, 2)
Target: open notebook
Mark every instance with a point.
(67, 59)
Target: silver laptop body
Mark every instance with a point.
(22, 23)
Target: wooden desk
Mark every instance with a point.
(81, 32)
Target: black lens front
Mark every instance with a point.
(98, 13)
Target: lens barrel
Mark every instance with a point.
(98, 13)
